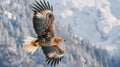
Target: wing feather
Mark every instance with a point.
(48, 5)
(35, 8)
(40, 6)
(54, 54)
(43, 5)
(38, 24)
(40, 21)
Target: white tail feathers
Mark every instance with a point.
(29, 45)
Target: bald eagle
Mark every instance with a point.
(43, 24)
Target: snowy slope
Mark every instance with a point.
(87, 25)
(97, 21)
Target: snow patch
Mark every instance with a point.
(110, 48)
(66, 13)
(9, 15)
(83, 3)
(6, 2)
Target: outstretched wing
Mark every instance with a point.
(43, 17)
(54, 54)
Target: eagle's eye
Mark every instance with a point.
(50, 16)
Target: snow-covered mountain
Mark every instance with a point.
(91, 29)
(97, 21)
